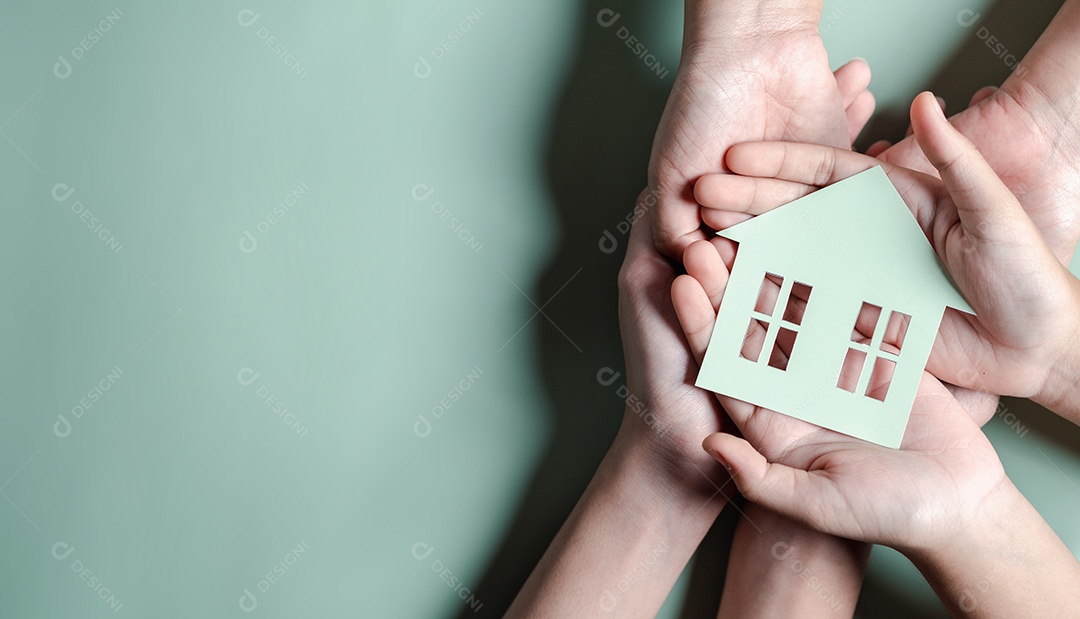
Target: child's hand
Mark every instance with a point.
(1028, 304)
(943, 498)
(832, 482)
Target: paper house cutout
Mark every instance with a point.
(851, 243)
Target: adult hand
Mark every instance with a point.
(1028, 132)
(1025, 299)
(942, 499)
(749, 72)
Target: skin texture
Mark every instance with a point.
(656, 488)
(964, 512)
(731, 89)
(1025, 299)
(656, 493)
(1028, 132)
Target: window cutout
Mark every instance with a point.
(781, 352)
(865, 323)
(767, 295)
(895, 331)
(796, 303)
(851, 370)
(880, 379)
(754, 340)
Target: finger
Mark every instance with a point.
(695, 313)
(746, 194)
(878, 147)
(987, 209)
(852, 79)
(797, 494)
(722, 220)
(982, 94)
(676, 221)
(910, 129)
(816, 165)
(809, 164)
(704, 263)
(859, 113)
(726, 248)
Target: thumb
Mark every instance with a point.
(790, 492)
(986, 207)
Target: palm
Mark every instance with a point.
(1032, 146)
(676, 415)
(849, 480)
(739, 95)
(1004, 349)
(863, 491)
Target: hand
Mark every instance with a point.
(1025, 299)
(659, 365)
(676, 414)
(942, 499)
(1028, 132)
(734, 89)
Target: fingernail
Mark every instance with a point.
(940, 106)
(716, 456)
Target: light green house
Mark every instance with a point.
(803, 275)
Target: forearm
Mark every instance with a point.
(1060, 391)
(781, 569)
(1005, 562)
(1052, 62)
(626, 542)
(709, 20)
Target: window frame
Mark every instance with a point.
(775, 321)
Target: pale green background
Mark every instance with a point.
(179, 130)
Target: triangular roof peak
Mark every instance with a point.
(858, 229)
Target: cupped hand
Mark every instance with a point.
(832, 482)
(1027, 131)
(1025, 299)
(764, 87)
(668, 414)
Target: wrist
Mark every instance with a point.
(970, 536)
(663, 476)
(1004, 541)
(721, 20)
(1059, 391)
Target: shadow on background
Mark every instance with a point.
(601, 132)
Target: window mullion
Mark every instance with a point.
(872, 354)
(774, 322)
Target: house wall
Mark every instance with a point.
(808, 387)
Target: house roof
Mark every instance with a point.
(858, 233)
